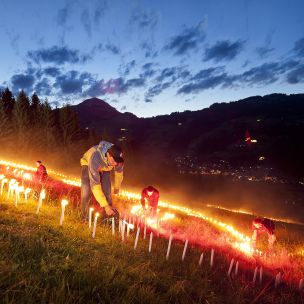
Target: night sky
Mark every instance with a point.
(152, 57)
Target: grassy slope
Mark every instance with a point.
(41, 262)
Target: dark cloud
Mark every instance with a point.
(144, 19)
(148, 70)
(14, 40)
(73, 82)
(299, 47)
(22, 81)
(62, 16)
(43, 87)
(112, 48)
(126, 68)
(264, 74)
(58, 55)
(86, 22)
(173, 73)
(113, 86)
(207, 73)
(263, 52)
(296, 75)
(204, 84)
(224, 50)
(99, 12)
(52, 71)
(149, 50)
(188, 40)
(156, 90)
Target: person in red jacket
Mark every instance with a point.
(41, 173)
(150, 195)
(260, 226)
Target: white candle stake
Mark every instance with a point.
(261, 275)
(212, 257)
(169, 247)
(145, 231)
(119, 226)
(136, 238)
(255, 275)
(26, 192)
(236, 268)
(128, 229)
(123, 231)
(278, 280)
(301, 284)
(3, 182)
(90, 216)
(150, 242)
(113, 226)
(95, 224)
(63, 204)
(41, 198)
(230, 267)
(185, 249)
(201, 259)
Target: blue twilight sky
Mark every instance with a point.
(152, 57)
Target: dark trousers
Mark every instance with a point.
(86, 188)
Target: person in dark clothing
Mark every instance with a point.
(260, 226)
(150, 195)
(41, 173)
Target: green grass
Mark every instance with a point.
(41, 262)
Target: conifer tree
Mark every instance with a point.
(21, 119)
(8, 102)
(69, 125)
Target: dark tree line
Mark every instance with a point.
(29, 126)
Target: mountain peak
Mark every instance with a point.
(98, 105)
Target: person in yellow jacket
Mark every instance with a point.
(96, 165)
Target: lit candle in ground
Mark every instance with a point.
(212, 257)
(145, 231)
(150, 242)
(136, 238)
(113, 225)
(3, 182)
(128, 229)
(236, 268)
(18, 190)
(95, 224)
(123, 230)
(11, 186)
(255, 275)
(26, 193)
(201, 259)
(169, 247)
(119, 225)
(63, 204)
(185, 249)
(261, 275)
(90, 216)
(278, 280)
(230, 267)
(41, 198)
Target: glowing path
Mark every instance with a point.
(242, 244)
